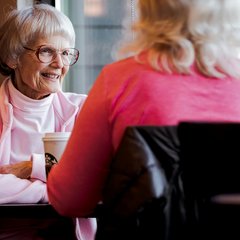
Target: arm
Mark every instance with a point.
(75, 184)
(28, 169)
(24, 191)
(21, 170)
(24, 187)
(15, 184)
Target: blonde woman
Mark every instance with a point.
(183, 64)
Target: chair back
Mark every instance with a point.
(164, 179)
(210, 159)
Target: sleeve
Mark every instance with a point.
(21, 190)
(17, 190)
(75, 183)
(38, 167)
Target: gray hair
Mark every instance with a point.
(179, 33)
(23, 27)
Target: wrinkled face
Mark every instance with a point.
(36, 79)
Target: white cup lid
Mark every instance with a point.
(56, 136)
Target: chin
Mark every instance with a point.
(54, 89)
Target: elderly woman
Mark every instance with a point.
(35, 57)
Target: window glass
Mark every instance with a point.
(98, 25)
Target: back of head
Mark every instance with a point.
(178, 33)
(27, 26)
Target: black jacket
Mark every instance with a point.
(144, 189)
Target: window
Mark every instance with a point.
(98, 25)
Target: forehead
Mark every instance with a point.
(58, 42)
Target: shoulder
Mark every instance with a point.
(120, 71)
(72, 98)
(75, 97)
(121, 64)
(128, 67)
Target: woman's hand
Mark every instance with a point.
(21, 170)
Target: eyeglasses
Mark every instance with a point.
(47, 54)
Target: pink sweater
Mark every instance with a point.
(128, 93)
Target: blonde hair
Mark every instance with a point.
(178, 33)
(26, 26)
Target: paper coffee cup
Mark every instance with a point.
(54, 145)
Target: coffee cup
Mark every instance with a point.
(54, 146)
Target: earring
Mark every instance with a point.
(14, 66)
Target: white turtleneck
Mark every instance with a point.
(30, 118)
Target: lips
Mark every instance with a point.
(50, 75)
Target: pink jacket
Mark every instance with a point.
(16, 190)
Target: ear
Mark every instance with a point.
(11, 63)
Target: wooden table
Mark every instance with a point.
(19, 210)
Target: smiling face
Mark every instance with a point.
(35, 79)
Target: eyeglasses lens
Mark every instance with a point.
(48, 54)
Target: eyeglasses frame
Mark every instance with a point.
(57, 51)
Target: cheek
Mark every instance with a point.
(33, 76)
(29, 75)
(32, 71)
(65, 71)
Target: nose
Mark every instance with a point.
(58, 61)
